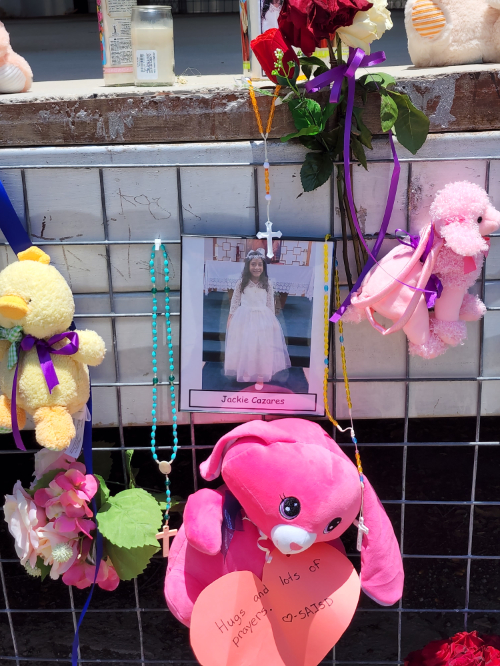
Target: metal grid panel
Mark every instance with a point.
(139, 608)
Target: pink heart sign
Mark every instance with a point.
(292, 617)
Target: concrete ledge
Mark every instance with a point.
(215, 108)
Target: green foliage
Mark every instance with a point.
(44, 568)
(131, 471)
(312, 129)
(177, 503)
(365, 136)
(308, 64)
(305, 112)
(129, 562)
(130, 519)
(315, 171)
(102, 494)
(44, 481)
(376, 82)
(358, 151)
(412, 125)
(388, 112)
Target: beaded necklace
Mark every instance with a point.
(362, 529)
(164, 466)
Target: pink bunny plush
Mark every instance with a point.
(435, 270)
(15, 73)
(291, 486)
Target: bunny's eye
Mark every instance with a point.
(332, 525)
(479, 219)
(290, 508)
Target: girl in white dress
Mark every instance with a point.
(255, 344)
(270, 12)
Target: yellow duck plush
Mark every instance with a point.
(35, 296)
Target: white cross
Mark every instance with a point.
(269, 234)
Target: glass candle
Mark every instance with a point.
(153, 45)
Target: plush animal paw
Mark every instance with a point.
(5, 416)
(433, 348)
(54, 427)
(473, 308)
(353, 315)
(452, 333)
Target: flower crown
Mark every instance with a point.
(256, 254)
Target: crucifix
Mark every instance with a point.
(269, 234)
(164, 536)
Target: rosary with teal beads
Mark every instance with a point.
(164, 466)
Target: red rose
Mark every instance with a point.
(436, 653)
(491, 656)
(264, 46)
(304, 23)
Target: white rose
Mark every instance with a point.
(23, 517)
(367, 27)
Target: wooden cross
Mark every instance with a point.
(164, 536)
(269, 234)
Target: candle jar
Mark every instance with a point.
(153, 45)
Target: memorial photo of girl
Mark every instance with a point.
(255, 345)
(269, 14)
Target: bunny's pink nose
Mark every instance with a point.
(295, 546)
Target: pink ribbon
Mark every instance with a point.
(44, 349)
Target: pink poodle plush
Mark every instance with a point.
(291, 486)
(15, 73)
(446, 259)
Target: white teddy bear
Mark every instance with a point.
(453, 32)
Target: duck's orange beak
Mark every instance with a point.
(13, 307)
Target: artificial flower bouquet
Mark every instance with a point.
(322, 124)
(463, 649)
(54, 528)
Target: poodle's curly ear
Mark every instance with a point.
(34, 253)
(382, 575)
(463, 238)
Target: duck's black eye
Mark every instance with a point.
(332, 525)
(290, 507)
(479, 219)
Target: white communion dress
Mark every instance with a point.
(255, 344)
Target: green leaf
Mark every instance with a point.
(388, 112)
(307, 71)
(130, 519)
(365, 136)
(321, 70)
(328, 112)
(312, 129)
(315, 171)
(102, 494)
(305, 112)
(311, 61)
(358, 151)
(412, 125)
(44, 481)
(130, 562)
(44, 568)
(130, 470)
(177, 503)
(374, 82)
(311, 142)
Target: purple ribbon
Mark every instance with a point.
(357, 58)
(434, 287)
(44, 349)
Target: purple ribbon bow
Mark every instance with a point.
(357, 58)
(44, 349)
(434, 287)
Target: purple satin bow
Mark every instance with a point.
(434, 287)
(357, 58)
(44, 349)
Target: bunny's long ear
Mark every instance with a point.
(382, 575)
(252, 432)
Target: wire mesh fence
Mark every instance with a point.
(435, 477)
